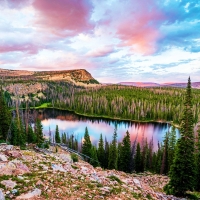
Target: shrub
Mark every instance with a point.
(74, 157)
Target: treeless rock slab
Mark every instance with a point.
(21, 169)
(35, 193)
(9, 183)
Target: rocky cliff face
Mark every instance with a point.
(74, 76)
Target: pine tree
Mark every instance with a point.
(126, 153)
(198, 161)
(119, 151)
(101, 152)
(94, 160)
(5, 117)
(164, 166)
(14, 133)
(31, 137)
(113, 154)
(18, 135)
(182, 172)
(57, 135)
(38, 132)
(159, 158)
(87, 145)
(107, 150)
(172, 145)
(137, 159)
(64, 138)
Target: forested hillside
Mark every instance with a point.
(124, 102)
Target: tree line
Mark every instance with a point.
(123, 102)
(115, 101)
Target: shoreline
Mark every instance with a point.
(105, 117)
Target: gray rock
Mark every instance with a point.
(3, 158)
(36, 192)
(2, 197)
(58, 168)
(14, 191)
(137, 182)
(8, 183)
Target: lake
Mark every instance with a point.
(71, 123)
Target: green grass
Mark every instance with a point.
(193, 195)
(114, 178)
(44, 105)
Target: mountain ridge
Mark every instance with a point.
(74, 76)
(152, 84)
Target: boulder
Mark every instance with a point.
(8, 183)
(3, 158)
(58, 168)
(21, 169)
(137, 182)
(7, 168)
(2, 197)
(14, 154)
(35, 193)
(66, 158)
(4, 147)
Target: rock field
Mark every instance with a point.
(47, 174)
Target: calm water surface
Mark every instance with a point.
(71, 123)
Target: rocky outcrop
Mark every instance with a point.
(74, 76)
(47, 174)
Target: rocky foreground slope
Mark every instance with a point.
(42, 174)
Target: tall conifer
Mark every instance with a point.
(113, 154)
(101, 152)
(182, 172)
(87, 145)
(126, 153)
(137, 159)
(5, 117)
(38, 132)
(57, 135)
(198, 160)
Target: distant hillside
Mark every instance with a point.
(183, 85)
(73, 76)
(140, 84)
(151, 84)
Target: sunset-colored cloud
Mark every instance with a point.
(101, 52)
(137, 25)
(28, 48)
(70, 17)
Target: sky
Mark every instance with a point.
(115, 40)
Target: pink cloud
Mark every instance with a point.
(29, 48)
(137, 25)
(65, 15)
(102, 52)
